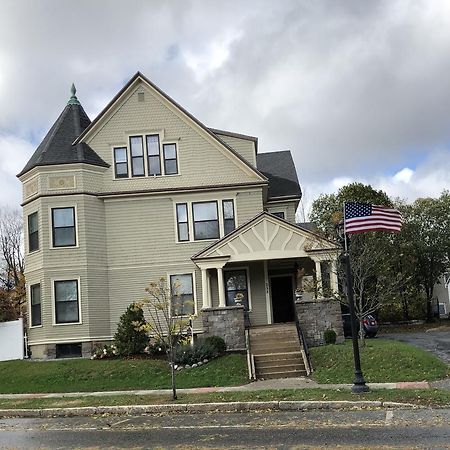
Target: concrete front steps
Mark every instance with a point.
(277, 352)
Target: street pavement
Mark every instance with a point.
(429, 428)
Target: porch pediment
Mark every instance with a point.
(266, 237)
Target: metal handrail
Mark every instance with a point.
(250, 358)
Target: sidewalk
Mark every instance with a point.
(284, 383)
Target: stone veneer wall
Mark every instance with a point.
(316, 316)
(228, 323)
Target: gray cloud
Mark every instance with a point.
(355, 89)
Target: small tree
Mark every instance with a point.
(168, 321)
(129, 339)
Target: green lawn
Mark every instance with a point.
(84, 375)
(381, 360)
(429, 397)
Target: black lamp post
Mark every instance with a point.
(359, 384)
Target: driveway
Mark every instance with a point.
(436, 342)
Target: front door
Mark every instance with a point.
(282, 299)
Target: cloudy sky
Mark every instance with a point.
(357, 90)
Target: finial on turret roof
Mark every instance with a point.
(73, 99)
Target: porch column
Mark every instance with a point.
(205, 293)
(334, 278)
(319, 278)
(221, 286)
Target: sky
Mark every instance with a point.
(357, 90)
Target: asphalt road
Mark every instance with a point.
(332, 429)
(437, 342)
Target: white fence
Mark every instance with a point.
(11, 340)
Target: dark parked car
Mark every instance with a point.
(370, 326)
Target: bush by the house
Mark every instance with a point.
(187, 354)
(103, 352)
(217, 342)
(329, 336)
(129, 340)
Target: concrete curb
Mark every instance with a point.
(203, 407)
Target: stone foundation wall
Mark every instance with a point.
(48, 351)
(228, 323)
(317, 316)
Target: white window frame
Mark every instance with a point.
(194, 288)
(30, 315)
(281, 209)
(162, 141)
(189, 203)
(50, 218)
(247, 271)
(67, 278)
(28, 232)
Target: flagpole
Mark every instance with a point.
(359, 383)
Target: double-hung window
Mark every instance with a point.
(33, 232)
(121, 162)
(170, 159)
(236, 288)
(137, 156)
(228, 216)
(153, 154)
(206, 220)
(182, 289)
(35, 300)
(66, 301)
(63, 227)
(182, 222)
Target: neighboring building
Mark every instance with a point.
(442, 296)
(146, 190)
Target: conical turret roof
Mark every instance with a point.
(57, 148)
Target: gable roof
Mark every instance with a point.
(144, 79)
(279, 169)
(57, 148)
(266, 233)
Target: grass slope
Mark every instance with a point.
(382, 361)
(85, 375)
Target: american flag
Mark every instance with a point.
(362, 217)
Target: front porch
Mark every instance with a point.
(266, 267)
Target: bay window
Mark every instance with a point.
(63, 227)
(35, 301)
(66, 301)
(33, 232)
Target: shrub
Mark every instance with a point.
(329, 337)
(104, 352)
(186, 354)
(217, 342)
(128, 340)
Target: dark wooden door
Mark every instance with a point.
(282, 299)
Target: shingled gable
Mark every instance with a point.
(57, 146)
(280, 237)
(140, 77)
(279, 168)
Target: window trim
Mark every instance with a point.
(247, 274)
(75, 226)
(164, 159)
(178, 222)
(80, 320)
(187, 272)
(218, 220)
(118, 177)
(223, 215)
(30, 309)
(148, 155)
(135, 157)
(37, 231)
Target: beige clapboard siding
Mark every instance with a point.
(33, 261)
(289, 208)
(244, 147)
(128, 285)
(202, 161)
(98, 306)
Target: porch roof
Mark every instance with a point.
(267, 237)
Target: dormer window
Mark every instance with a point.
(146, 156)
